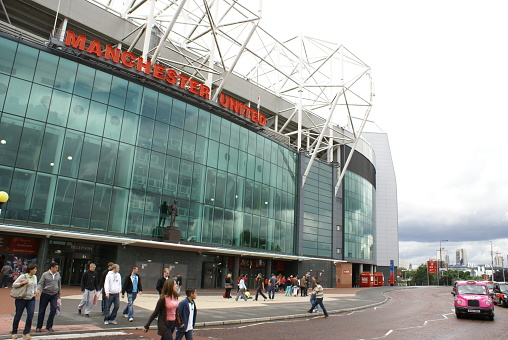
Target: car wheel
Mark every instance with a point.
(459, 316)
(491, 317)
(504, 303)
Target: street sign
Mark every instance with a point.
(432, 267)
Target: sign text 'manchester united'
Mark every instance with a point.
(157, 71)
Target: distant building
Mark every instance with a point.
(461, 257)
(443, 256)
(498, 261)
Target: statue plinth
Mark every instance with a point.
(171, 234)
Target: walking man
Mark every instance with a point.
(260, 283)
(131, 285)
(101, 287)
(50, 286)
(6, 275)
(241, 289)
(188, 312)
(318, 291)
(161, 281)
(312, 285)
(271, 287)
(112, 289)
(89, 287)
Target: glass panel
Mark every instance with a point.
(20, 195)
(201, 150)
(101, 207)
(84, 81)
(78, 113)
(59, 109)
(185, 180)
(141, 167)
(249, 191)
(133, 101)
(113, 124)
(46, 69)
(230, 192)
(28, 153)
(118, 92)
(129, 128)
(237, 229)
(233, 160)
(218, 217)
(225, 131)
(42, 201)
(211, 175)
(242, 163)
(156, 174)
(145, 134)
(107, 162)
(263, 233)
(234, 138)
(191, 118)
(160, 137)
(175, 141)
(96, 118)
(90, 158)
(220, 189)
(64, 199)
(198, 180)
(124, 164)
(195, 220)
(223, 157)
(246, 234)
(136, 208)
(38, 105)
(215, 122)
(164, 105)
(171, 176)
(101, 87)
(118, 211)
(51, 149)
(73, 146)
(244, 140)
(239, 195)
(8, 49)
(149, 103)
(65, 75)
(151, 214)
(82, 205)
(17, 97)
(24, 64)
(178, 113)
(4, 81)
(188, 145)
(213, 153)
(203, 128)
(10, 132)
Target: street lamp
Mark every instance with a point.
(3, 198)
(440, 260)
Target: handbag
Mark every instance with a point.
(178, 319)
(19, 292)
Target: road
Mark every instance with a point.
(411, 313)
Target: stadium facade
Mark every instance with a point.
(98, 130)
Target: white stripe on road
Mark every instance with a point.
(81, 335)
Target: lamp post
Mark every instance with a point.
(440, 260)
(4, 197)
(492, 261)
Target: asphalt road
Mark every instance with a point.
(419, 313)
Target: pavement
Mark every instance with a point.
(213, 310)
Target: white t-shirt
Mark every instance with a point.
(191, 317)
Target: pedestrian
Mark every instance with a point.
(112, 288)
(303, 286)
(50, 286)
(165, 311)
(89, 287)
(160, 281)
(6, 272)
(241, 289)
(312, 285)
(131, 285)
(295, 284)
(188, 312)
(27, 302)
(289, 283)
(101, 287)
(260, 284)
(318, 291)
(163, 213)
(179, 280)
(228, 286)
(272, 282)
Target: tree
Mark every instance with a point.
(419, 277)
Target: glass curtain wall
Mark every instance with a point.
(317, 210)
(359, 217)
(85, 149)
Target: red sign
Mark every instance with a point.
(128, 59)
(432, 267)
(19, 245)
(346, 272)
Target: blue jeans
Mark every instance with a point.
(320, 303)
(129, 310)
(20, 307)
(114, 299)
(43, 304)
(271, 292)
(5, 281)
(312, 299)
(171, 326)
(180, 335)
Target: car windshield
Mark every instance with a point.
(471, 289)
(503, 288)
(490, 285)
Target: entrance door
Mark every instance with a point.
(76, 270)
(209, 275)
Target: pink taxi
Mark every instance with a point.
(472, 298)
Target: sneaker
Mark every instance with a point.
(87, 315)
(125, 316)
(106, 322)
(113, 322)
(27, 336)
(131, 319)
(14, 336)
(38, 330)
(50, 330)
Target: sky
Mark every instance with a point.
(440, 71)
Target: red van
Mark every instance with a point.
(472, 298)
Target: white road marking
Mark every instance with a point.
(82, 335)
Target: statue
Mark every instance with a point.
(173, 211)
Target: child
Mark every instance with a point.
(188, 312)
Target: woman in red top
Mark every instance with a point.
(165, 310)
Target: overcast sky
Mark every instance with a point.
(440, 71)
